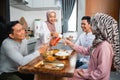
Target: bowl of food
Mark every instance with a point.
(55, 51)
(50, 58)
(62, 55)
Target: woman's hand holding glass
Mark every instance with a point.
(70, 38)
(68, 42)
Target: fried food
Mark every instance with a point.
(55, 51)
(50, 58)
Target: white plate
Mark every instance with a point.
(63, 53)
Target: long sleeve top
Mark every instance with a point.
(85, 40)
(14, 54)
(44, 35)
(100, 61)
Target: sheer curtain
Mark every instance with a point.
(67, 8)
(72, 22)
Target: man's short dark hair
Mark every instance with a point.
(10, 26)
(86, 18)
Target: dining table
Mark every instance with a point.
(41, 73)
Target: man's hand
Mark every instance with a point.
(43, 48)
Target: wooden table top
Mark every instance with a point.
(67, 71)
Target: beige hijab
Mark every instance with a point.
(51, 27)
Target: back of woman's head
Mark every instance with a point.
(105, 27)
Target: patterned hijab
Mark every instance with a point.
(105, 27)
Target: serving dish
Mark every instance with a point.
(63, 54)
(54, 51)
(55, 65)
(50, 58)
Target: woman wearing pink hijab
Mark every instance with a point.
(47, 28)
(105, 45)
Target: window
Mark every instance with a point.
(73, 19)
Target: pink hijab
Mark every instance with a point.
(51, 27)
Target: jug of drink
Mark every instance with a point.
(54, 41)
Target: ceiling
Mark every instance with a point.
(24, 5)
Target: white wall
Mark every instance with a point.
(30, 16)
(16, 14)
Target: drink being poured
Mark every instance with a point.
(54, 41)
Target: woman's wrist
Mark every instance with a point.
(71, 45)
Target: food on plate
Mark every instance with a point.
(62, 55)
(50, 58)
(55, 50)
(41, 63)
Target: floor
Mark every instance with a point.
(115, 76)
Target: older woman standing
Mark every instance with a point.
(105, 44)
(47, 28)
